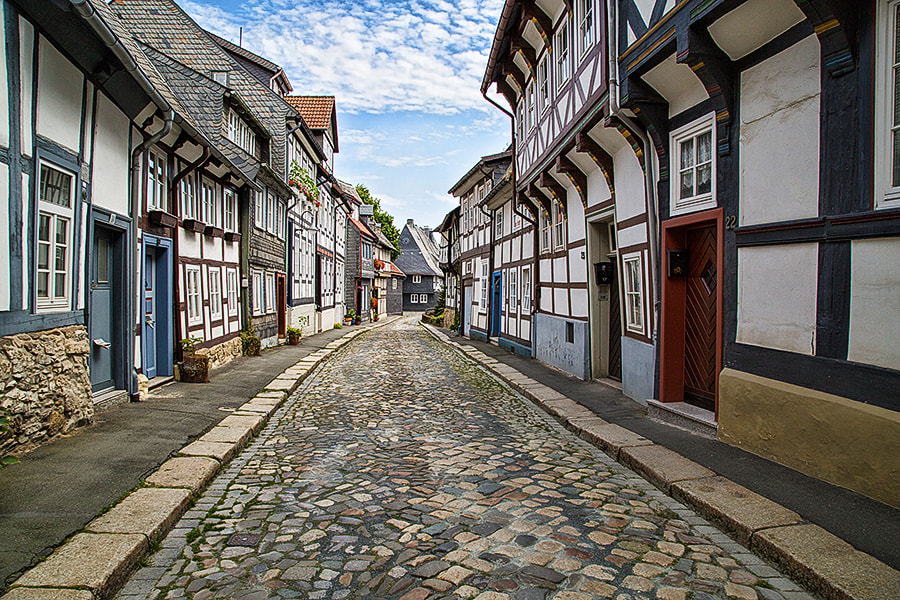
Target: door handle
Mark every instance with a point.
(151, 323)
(102, 343)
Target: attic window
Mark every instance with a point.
(220, 77)
(241, 134)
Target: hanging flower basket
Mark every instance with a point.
(300, 179)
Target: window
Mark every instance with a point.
(520, 123)
(394, 283)
(156, 181)
(190, 203)
(887, 123)
(559, 224)
(366, 249)
(231, 282)
(526, 289)
(54, 238)
(270, 292)
(612, 237)
(240, 133)
(693, 166)
(545, 231)
(634, 295)
(257, 293)
(529, 111)
(498, 221)
(230, 209)
(259, 209)
(513, 290)
(544, 83)
(215, 293)
(484, 285)
(417, 279)
(270, 211)
(414, 299)
(194, 297)
(586, 24)
(562, 54)
(210, 214)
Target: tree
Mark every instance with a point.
(384, 219)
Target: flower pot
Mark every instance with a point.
(348, 322)
(195, 368)
(293, 340)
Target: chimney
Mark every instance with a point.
(410, 222)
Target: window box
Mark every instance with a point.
(193, 225)
(161, 218)
(213, 231)
(232, 236)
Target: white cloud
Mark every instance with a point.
(375, 56)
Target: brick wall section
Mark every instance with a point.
(45, 384)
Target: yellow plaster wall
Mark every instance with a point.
(847, 443)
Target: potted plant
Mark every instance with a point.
(194, 367)
(250, 343)
(293, 335)
(349, 317)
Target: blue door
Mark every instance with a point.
(149, 330)
(496, 301)
(104, 346)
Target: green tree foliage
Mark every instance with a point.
(383, 218)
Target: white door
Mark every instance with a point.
(467, 310)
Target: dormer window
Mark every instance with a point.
(241, 134)
(220, 77)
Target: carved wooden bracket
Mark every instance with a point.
(835, 24)
(508, 92)
(532, 12)
(575, 175)
(519, 45)
(539, 196)
(633, 140)
(715, 70)
(586, 144)
(556, 189)
(652, 111)
(509, 68)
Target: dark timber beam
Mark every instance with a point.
(539, 196)
(836, 23)
(575, 175)
(716, 72)
(509, 68)
(586, 145)
(652, 111)
(556, 189)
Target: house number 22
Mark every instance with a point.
(730, 222)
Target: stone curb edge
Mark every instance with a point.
(95, 563)
(822, 562)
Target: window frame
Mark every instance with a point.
(887, 195)
(526, 290)
(513, 290)
(530, 114)
(190, 200)
(586, 16)
(157, 182)
(214, 283)
(417, 279)
(193, 298)
(269, 296)
(231, 290)
(546, 242)
(56, 212)
(692, 131)
(562, 59)
(634, 298)
(229, 202)
(208, 202)
(485, 278)
(543, 84)
(559, 225)
(258, 292)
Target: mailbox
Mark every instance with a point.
(677, 263)
(605, 272)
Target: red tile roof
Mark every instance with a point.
(362, 229)
(315, 110)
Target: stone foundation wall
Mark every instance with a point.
(45, 384)
(222, 354)
(449, 317)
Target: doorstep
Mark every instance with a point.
(694, 419)
(110, 399)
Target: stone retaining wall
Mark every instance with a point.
(45, 384)
(222, 354)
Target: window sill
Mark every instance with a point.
(232, 236)
(161, 218)
(193, 225)
(213, 231)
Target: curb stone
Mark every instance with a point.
(824, 563)
(96, 563)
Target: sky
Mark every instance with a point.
(406, 75)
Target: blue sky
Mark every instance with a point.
(406, 75)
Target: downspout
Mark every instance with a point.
(649, 174)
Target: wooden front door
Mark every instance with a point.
(615, 332)
(281, 298)
(700, 364)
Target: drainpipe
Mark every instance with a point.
(649, 172)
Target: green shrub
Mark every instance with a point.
(250, 343)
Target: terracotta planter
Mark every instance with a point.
(195, 368)
(293, 340)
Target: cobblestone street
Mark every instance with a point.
(401, 470)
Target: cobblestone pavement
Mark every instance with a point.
(400, 470)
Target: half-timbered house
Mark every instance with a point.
(419, 262)
(772, 124)
(475, 243)
(449, 263)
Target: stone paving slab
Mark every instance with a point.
(809, 552)
(99, 562)
(254, 422)
(251, 408)
(740, 511)
(662, 466)
(192, 472)
(232, 435)
(148, 511)
(611, 438)
(221, 451)
(47, 594)
(280, 384)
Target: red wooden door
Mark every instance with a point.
(700, 319)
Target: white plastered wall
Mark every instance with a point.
(777, 287)
(60, 87)
(875, 302)
(780, 173)
(4, 89)
(4, 239)
(110, 165)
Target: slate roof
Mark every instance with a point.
(395, 271)
(362, 228)
(350, 190)
(418, 253)
(261, 68)
(317, 111)
(164, 26)
(476, 170)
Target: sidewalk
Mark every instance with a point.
(678, 461)
(61, 486)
